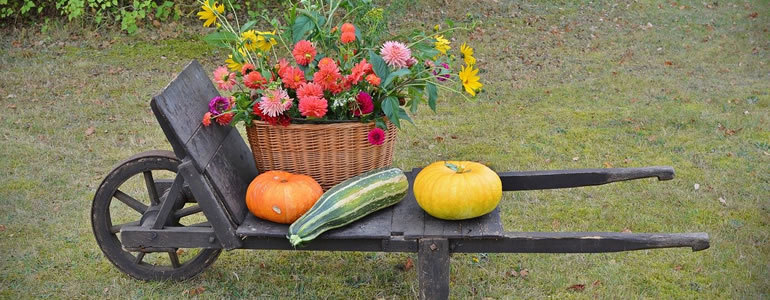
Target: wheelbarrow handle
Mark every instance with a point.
(557, 179)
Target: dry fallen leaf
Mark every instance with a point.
(607, 164)
(668, 63)
(195, 291)
(576, 158)
(753, 15)
(577, 287)
(2, 228)
(512, 273)
(180, 251)
(626, 230)
(597, 283)
(723, 201)
(439, 139)
(409, 264)
(524, 273)
(90, 131)
(678, 268)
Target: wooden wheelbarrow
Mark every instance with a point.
(193, 199)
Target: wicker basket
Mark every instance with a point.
(330, 153)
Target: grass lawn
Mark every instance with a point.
(568, 85)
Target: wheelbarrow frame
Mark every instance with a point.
(216, 166)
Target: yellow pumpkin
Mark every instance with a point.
(457, 190)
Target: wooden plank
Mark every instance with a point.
(230, 171)
(211, 205)
(205, 142)
(433, 268)
(143, 238)
(181, 99)
(580, 242)
(374, 226)
(407, 215)
(181, 105)
(253, 226)
(557, 179)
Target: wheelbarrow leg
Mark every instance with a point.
(433, 268)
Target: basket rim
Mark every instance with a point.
(346, 124)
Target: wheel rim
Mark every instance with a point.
(119, 202)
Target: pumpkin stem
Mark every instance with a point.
(457, 169)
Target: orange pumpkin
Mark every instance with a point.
(282, 197)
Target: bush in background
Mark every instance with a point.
(128, 14)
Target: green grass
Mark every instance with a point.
(563, 79)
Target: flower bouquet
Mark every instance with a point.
(321, 94)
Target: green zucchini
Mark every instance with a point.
(348, 201)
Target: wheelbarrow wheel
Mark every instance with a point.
(133, 187)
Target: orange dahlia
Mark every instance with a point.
(304, 52)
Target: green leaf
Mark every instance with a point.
(430, 88)
(392, 76)
(416, 98)
(390, 108)
(248, 25)
(301, 26)
(266, 73)
(220, 39)
(378, 64)
(380, 124)
(403, 115)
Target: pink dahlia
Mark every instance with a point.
(313, 107)
(304, 52)
(396, 54)
(365, 104)
(376, 136)
(225, 79)
(275, 102)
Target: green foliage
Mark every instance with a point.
(128, 13)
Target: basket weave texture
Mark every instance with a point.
(329, 153)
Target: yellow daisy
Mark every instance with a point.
(470, 80)
(442, 44)
(262, 40)
(249, 39)
(467, 54)
(208, 13)
(232, 64)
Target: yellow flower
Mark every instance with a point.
(262, 40)
(232, 64)
(467, 54)
(249, 39)
(470, 80)
(442, 44)
(208, 13)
